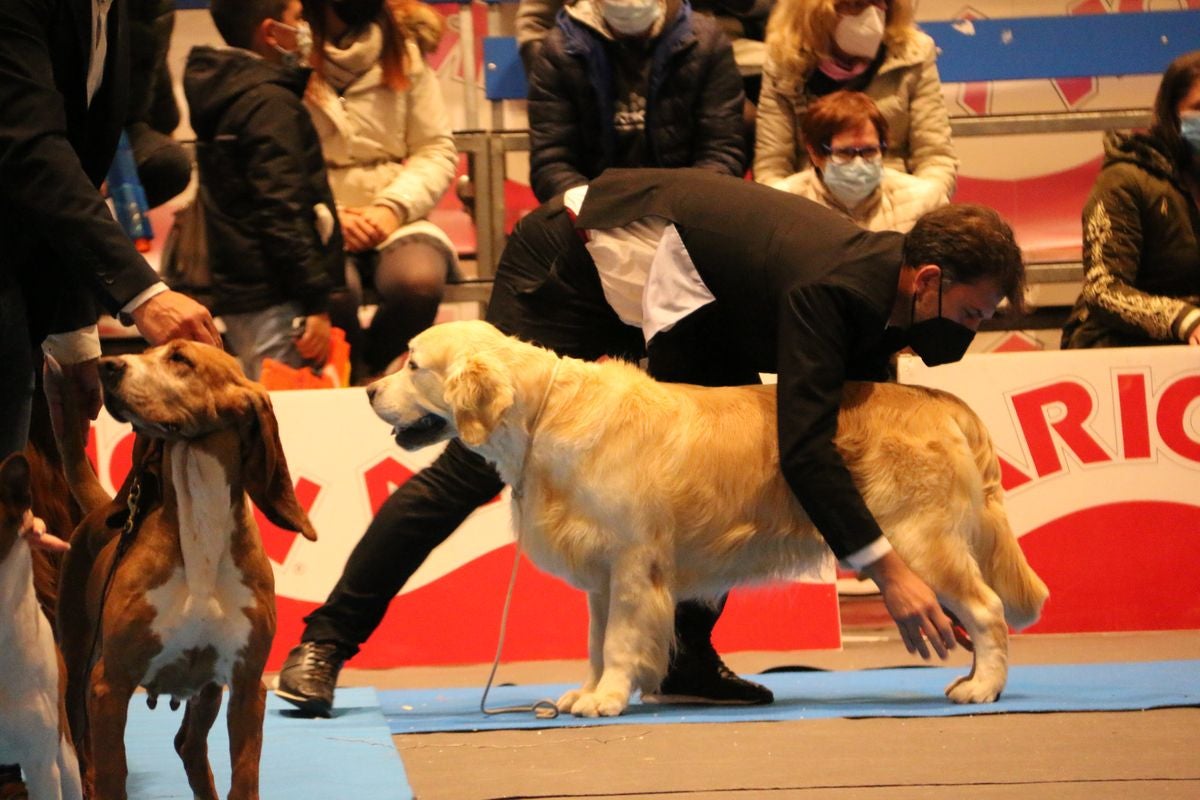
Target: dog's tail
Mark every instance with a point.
(69, 434)
(999, 554)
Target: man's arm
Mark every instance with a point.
(818, 326)
(50, 200)
(47, 193)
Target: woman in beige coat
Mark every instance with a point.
(389, 152)
(816, 47)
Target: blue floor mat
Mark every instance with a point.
(904, 692)
(350, 755)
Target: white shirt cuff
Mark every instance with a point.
(869, 554)
(73, 347)
(143, 296)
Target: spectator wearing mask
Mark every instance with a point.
(274, 246)
(846, 138)
(816, 47)
(632, 83)
(389, 151)
(1141, 228)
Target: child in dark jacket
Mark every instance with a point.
(274, 243)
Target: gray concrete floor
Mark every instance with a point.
(1150, 754)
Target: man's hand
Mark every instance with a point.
(313, 343)
(171, 315)
(913, 606)
(82, 381)
(33, 530)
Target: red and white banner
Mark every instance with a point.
(345, 464)
(1100, 453)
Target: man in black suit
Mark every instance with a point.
(64, 73)
(63, 81)
(713, 279)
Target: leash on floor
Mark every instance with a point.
(542, 709)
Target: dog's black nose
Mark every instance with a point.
(111, 369)
(372, 390)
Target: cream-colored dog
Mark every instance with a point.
(644, 493)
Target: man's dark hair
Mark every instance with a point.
(1180, 76)
(970, 243)
(237, 20)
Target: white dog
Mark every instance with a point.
(644, 493)
(33, 730)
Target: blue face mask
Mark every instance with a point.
(853, 182)
(1189, 129)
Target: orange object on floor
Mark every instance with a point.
(277, 376)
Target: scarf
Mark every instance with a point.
(345, 64)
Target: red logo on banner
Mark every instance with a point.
(277, 541)
(382, 479)
(1055, 420)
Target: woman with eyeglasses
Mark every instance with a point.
(846, 139)
(817, 47)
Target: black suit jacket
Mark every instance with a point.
(800, 291)
(58, 240)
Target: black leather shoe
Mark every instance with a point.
(705, 680)
(309, 676)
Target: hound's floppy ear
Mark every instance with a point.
(264, 467)
(479, 392)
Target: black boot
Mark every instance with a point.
(697, 674)
(309, 676)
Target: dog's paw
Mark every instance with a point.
(973, 690)
(592, 704)
(567, 701)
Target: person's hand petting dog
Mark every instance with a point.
(172, 315)
(913, 606)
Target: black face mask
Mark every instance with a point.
(357, 13)
(938, 340)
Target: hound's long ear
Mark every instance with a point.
(264, 467)
(479, 391)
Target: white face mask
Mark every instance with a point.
(304, 44)
(852, 183)
(860, 35)
(630, 17)
(1189, 129)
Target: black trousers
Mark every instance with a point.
(546, 291)
(16, 371)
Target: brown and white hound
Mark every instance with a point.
(174, 592)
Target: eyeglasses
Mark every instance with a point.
(850, 8)
(844, 155)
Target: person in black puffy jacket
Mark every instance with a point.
(274, 243)
(632, 83)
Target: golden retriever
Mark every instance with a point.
(644, 493)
